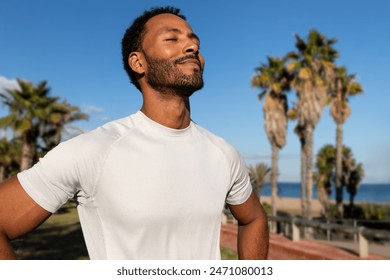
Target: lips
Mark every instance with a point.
(189, 60)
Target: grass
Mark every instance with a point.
(67, 215)
(60, 238)
(227, 254)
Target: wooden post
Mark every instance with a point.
(328, 231)
(295, 232)
(224, 219)
(363, 244)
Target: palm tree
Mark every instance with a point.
(325, 163)
(5, 158)
(9, 157)
(312, 69)
(356, 176)
(344, 86)
(274, 79)
(352, 175)
(259, 175)
(37, 117)
(59, 116)
(27, 109)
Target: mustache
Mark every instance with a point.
(190, 56)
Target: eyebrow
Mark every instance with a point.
(178, 31)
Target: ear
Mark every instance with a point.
(136, 62)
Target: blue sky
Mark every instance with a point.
(75, 46)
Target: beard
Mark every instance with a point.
(165, 77)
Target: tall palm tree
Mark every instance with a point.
(259, 175)
(344, 86)
(274, 79)
(312, 69)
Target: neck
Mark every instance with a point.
(167, 110)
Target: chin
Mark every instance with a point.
(187, 91)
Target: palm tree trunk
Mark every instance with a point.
(309, 171)
(27, 154)
(351, 206)
(339, 170)
(4, 134)
(2, 170)
(299, 130)
(303, 179)
(323, 198)
(57, 135)
(274, 174)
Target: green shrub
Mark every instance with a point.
(375, 211)
(267, 208)
(368, 211)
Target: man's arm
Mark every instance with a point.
(253, 236)
(19, 214)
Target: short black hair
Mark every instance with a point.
(132, 39)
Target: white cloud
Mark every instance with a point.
(8, 84)
(92, 109)
(95, 111)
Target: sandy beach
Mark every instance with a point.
(292, 205)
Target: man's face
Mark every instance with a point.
(171, 51)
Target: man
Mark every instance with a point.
(151, 185)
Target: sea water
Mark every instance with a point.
(376, 193)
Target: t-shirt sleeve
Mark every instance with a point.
(53, 180)
(241, 187)
(69, 168)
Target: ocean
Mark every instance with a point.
(375, 193)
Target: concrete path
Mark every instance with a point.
(374, 248)
(282, 248)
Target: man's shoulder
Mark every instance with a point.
(210, 135)
(113, 130)
(102, 137)
(219, 142)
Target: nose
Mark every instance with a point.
(192, 47)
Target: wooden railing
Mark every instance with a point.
(295, 228)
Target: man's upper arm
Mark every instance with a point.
(248, 211)
(19, 213)
(252, 239)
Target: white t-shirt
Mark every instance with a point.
(144, 191)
